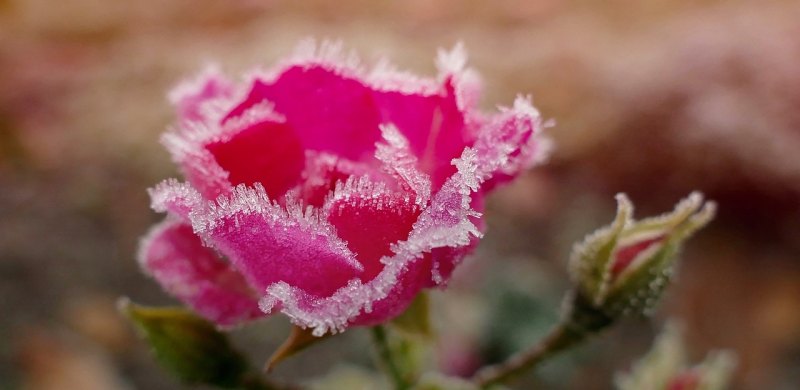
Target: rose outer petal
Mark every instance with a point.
(175, 257)
(433, 125)
(270, 243)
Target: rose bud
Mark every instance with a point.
(623, 268)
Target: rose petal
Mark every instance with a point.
(257, 146)
(270, 243)
(264, 152)
(173, 255)
(446, 223)
(370, 218)
(510, 142)
(433, 125)
(329, 111)
(176, 198)
(322, 172)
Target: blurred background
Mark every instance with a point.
(653, 98)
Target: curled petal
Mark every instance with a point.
(447, 222)
(353, 211)
(270, 243)
(345, 119)
(511, 142)
(173, 255)
(176, 198)
(434, 126)
(255, 147)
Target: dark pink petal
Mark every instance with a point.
(434, 122)
(447, 222)
(370, 218)
(322, 172)
(256, 147)
(270, 243)
(177, 199)
(191, 97)
(398, 160)
(330, 112)
(198, 164)
(173, 255)
(434, 126)
(510, 142)
(264, 152)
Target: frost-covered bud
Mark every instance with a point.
(624, 267)
(666, 367)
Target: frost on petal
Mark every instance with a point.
(197, 164)
(329, 111)
(370, 218)
(510, 142)
(322, 172)
(263, 152)
(173, 255)
(191, 96)
(433, 125)
(398, 160)
(270, 243)
(175, 198)
(255, 147)
(446, 223)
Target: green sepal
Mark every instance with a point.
(187, 345)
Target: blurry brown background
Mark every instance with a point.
(653, 98)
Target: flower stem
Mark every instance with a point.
(386, 359)
(581, 321)
(559, 339)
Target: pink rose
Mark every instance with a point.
(328, 192)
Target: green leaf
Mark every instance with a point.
(188, 346)
(415, 321)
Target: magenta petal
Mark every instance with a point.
(177, 199)
(173, 255)
(510, 142)
(263, 152)
(269, 243)
(354, 211)
(322, 172)
(433, 124)
(329, 111)
(447, 222)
